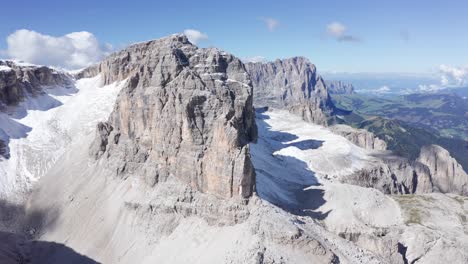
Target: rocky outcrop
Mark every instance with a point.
(292, 84)
(339, 87)
(394, 175)
(185, 112)
(448, 175)
(434, 171)
(360, 137)
(18, 81)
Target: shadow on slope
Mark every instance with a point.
(17, 219)
(282, 180)
(15, 249)
(10, 128)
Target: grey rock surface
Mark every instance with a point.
(185, 112)
(360, 137)
(17, 81)
(434, 171)
(447, 174)
(129, 221)
(339, 87)
(293, 84)
(394, 175)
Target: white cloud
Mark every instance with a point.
(71, 51)
(450, 77)
(270, 23)
(453, 76)
(429, 88)
(195, 36)
(255, 59)
(338, 31)
(381, 90)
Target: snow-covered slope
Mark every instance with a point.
(39, 130)
(299, 167)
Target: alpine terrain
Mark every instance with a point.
(164, 152)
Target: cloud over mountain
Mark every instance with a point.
(71, 51)
(195, 36)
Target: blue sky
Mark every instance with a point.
(386, 36)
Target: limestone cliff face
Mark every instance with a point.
(186, 112)
(292, 84)
(17, 82)
(339, 87)
(360, 137)
(447, 174)
(394, 175)
(434, 171)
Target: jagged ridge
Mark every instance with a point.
(186, 112)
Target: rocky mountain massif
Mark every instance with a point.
(185, 113)
(170, 167)
(339, 87)
(19, 80)
(178, 163)
(293, 84)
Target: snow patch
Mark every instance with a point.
(299, 166)
(39, 130)
(5, 68)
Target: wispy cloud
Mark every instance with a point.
(405, 35)
(338, 31)
(195, 36)
(254, 59)
(71, 51)
(271, 23)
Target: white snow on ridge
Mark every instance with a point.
(299, 165)
(5, 68)
(40, 129)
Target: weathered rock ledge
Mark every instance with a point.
(185, 112)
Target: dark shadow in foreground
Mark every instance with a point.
(286, 186)
(20, 226)
(15, 249)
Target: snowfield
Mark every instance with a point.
(5, 68)
(39, 130)
(299, 165)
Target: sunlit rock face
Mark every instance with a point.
(18, 81)
(447, 174)
(186, 112)
(292, 84)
